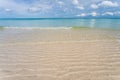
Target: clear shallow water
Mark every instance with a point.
(57, 23)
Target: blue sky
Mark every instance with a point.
(60, 8)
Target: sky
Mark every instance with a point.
(59, 8)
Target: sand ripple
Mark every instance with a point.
(83, 58)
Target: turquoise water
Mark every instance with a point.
(57, 23)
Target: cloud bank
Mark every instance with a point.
(59, 8)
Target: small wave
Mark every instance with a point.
(38, 27)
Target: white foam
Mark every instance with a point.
(38, 27)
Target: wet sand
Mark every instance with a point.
(59, 54)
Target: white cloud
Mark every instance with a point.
(111, 13)
(82, 15)
(77, 5)
(108, 13)
(70, 7)
(61, 3)
(39, 8)
(108, 4)
(33, 9)
(8, 5)
(93, 14)
(23, 8)
(75, 2)
(8, 10)
(94, 6)
(88, 14)
(80, 7)
(104, 4)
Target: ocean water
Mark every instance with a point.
(60, 23)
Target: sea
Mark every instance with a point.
(59, 23)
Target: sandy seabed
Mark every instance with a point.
(59, 54)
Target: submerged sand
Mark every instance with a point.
(59, 54)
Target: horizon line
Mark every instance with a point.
(24, 18)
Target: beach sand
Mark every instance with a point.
(59, 54)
